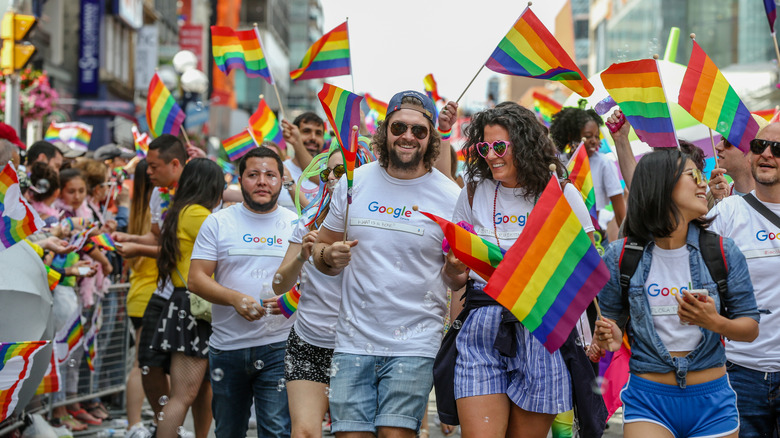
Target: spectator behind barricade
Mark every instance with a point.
(306, 135)
(44, 190)
(98, 187)
(45, 152)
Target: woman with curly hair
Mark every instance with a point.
(506, 382)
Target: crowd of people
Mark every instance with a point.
(691, 287)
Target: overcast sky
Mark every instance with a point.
(394, 44)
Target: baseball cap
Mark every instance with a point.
(428, 109)
(9, 133)
(111, 151)
(66, 150)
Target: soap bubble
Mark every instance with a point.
(145, 370)
(401, 333)
(723, 126)
(72, 363)
(457, 324)
(278, 279)
(597, 384)
(369, 348)
(420, 328)
(161, 416)
(428, 299)
(217, 374)
(164, 400)
(182, 314)
(259, 364)
(327, 391)
(281, 385)
(363, 304)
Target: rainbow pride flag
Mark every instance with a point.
(551, 273)
(265, 126)
(288, 302)
(141, 142)
(637, 88)
(328, 56)
(431, 88)
(17, 359)
(545, 107)
(582, 178)
(17, 219)
(707, 96)
(343, 111)
(52, 379)
(90, 346)
(530, 50)
(163, 115)
(72, 333)
(238, 145)
(376, 105)
(75, 134)
(104, 241)
(475, 252)
(767, 114)
(239, 49)
(771, 14)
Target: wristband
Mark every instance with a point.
(445, 135)
(322, 257)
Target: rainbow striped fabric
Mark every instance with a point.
(530, 50)
(637, 88)
(431, 88)
(551, 273)
(104, 241)
(141, 142)
(582, 178)
(265, 126)
(163, 115)
(71, 223)
(477, 253)
(52, 378)
(767, 115)
(239, 49)
(376, 105)
(17, 219)
(771, 14)
(75, 134)
(17, 359)
(90, 346)
(545, 107)
(238, 145)
(73, 333)
(288, 302)
(343, 111)
(328, 56)
(707, 96)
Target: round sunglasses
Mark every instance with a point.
(399, 128)
(338, 170)
(498, 146)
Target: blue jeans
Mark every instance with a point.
(239, 381)
(758, 401)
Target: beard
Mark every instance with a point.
(764, 180)
(257, 206)
(395, 159)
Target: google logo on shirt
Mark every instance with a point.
(395, 212)
(504, 219)
(270, 241)
(763, 235)
(653, 290)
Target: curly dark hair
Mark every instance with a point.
(379, 141)
(532, 150)
(567, 125)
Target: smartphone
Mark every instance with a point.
(700, 294)
(117, 244)
(83, 270)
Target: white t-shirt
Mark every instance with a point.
(606, 183)
(393, 296)
(248, 248)
(308, 188)
(511, 212)
(759, 241)
(158, 206)
(670, 274)
(318, 308)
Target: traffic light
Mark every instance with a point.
(15, 53)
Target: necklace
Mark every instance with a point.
(495, 201)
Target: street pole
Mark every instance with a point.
(12, 96)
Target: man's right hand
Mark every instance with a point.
(248, 308)
(338, 254)
(718, 184)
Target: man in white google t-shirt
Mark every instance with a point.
(393, 296)
(236, 254)
(754, 368)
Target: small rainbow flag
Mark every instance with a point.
(376, 105)
(17, 359)
(431, 89)
(75, 134)
(288, 302)
(52, 378)
(551, 273)
(265, 126)
(141, 142)
(104, 241)
(707, 96)
(343, 111)
(582, 178)
(771, 14)
(17, 219)
(90, 346)
(545, 107)
(637, 88)
(72, 333)
(328, 56)
(238, 145)
(477, 253)
(163, 115)
(239, 49)
(530, 50)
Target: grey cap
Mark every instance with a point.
(111, 151)
(66, 150)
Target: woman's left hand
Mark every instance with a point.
(693, 311)
(308, 244)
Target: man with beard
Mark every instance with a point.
(237, 251)
(393, 296)
(307, 136)
(752, 221)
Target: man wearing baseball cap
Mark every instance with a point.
(393, 297)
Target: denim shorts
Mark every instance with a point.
(368, 392)
(704, 410)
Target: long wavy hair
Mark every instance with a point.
(380, 147)
(532, 150)
(201, 183)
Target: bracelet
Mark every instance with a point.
(445, 135)
(300, 259)
(322, 258)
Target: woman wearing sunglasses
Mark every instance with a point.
(676, 311)
(506, 382)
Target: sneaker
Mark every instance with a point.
(138, 431)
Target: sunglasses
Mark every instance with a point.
(498, 146)
(338, 170)
(399, 128)
(758, 146)
(698, 177)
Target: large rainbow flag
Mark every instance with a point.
(71, 334)
(52, 379)
(265, 126)
(545, 107)
(376, 105)
(141, 142)
(328, 56)
(163, 115)
(17, 219)
(17, 358)
(530, 50)
(637, 88)
(238, 145)
(239, 49)
(343, 111)
(431, 88)
(75, 134)
(582, 178)
(475, 252)
(707, 96)
(551, 273)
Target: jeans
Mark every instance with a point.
(236, 377)
(758, 401)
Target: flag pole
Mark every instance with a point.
(472, 81)
(186, 138)
(281, 107)
(351, 75)
(352, 137)
(714, 152)
(777, 50)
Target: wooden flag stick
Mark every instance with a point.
(472, 81)
(598, 309)
(777, 50)
(281, 106)
(714, 152)
(186, 138)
